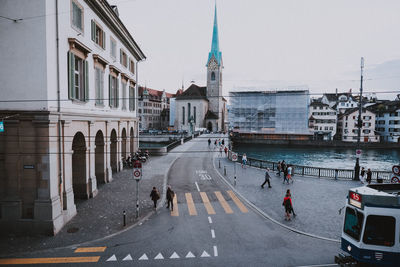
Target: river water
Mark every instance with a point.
(341, 158)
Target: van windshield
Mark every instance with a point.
(379, 230)
(353, 223)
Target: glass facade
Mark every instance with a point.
(283, 112)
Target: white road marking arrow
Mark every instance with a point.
(128, 258)
(143, 258)
(159, 257)
(112, 258)
(190, 255)
(174, 256)
(205, 254)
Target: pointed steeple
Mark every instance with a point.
(215, 41)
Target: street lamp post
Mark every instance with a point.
(359, 125)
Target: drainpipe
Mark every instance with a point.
(60, 161)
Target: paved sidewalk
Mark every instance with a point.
(316, 201)
(103, 215)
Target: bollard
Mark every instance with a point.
(234, 180)
(336, 174)
(225, 170)
(124, 213)
(219, 164)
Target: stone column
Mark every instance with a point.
(90, 156)
(107, 150)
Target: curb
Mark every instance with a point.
(266, 216)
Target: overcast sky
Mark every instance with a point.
(269, 43)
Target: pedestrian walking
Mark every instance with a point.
(226, 151)
(215, 144)
(267, 179)
(244, 160)
(170, 198)
(209, 142)
(369, 176)
(287, 203)
(279, 169)
(155, 196)
(223, 142)
(289, 174)
(362, 174)
(290, 195)
(285, 173)
(220, 150)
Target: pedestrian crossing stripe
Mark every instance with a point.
(190, 204)
(207, 204)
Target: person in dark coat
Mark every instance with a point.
(170, 197)
(362, 174)
(287, 203)
(369, 176)
(155, 196)
(267, 179)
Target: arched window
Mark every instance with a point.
(212, 76)
(188, 112)
(183, 115)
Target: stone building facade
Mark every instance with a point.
(72, 119)
(153, 109)
(322, 121)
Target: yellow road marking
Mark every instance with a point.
(49, 260)
(237, 201)
(223, 202)
(191, 207)
(175, 212)
(90, 249)
(207, 204)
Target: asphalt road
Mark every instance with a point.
(210, 226)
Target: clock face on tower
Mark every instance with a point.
(213, 65)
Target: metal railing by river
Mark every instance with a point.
(315, 171)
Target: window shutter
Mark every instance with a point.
(117, 94)
(86, 81)
(71, 85)
(93, 31)
(101, 87)
(120, 56)
(110, 90)
(104, 40)
(133, 97)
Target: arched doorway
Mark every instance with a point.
(209, 126)
(113, 151)
(79, 184)
(132, 140)
(99, 158)
(123, 144)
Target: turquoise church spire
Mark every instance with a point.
(215, 42)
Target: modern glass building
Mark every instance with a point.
(269, 112)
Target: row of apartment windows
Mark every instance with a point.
(320, 107)
(78, 87)
(149, 104)
(326, 128)
(98, 36)
(325, 121)
(324, 113)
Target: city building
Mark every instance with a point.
(70, 117)
(322, 121)
(204, 107)
(340, 101)
(153, 109)
(388, 121)
(276, 114)
(347, 129)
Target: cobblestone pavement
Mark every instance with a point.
(316, 201)
(103, 215)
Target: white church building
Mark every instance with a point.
(204, 107)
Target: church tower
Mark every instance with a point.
(214, 78)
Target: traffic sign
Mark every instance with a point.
(234, 156)
(137, 164)
(1, 127)
(136, 174)
(395, 180)
(358, 153)
(396, 169)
